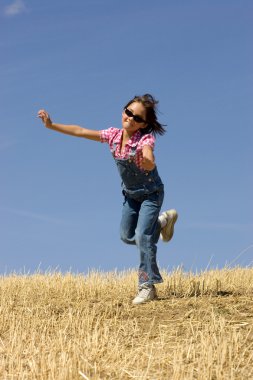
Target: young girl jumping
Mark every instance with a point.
(132, 149)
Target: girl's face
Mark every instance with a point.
(137, 110)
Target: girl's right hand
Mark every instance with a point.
(45, 118)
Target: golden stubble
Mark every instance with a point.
(69, 326)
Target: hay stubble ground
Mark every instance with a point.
(65, 326)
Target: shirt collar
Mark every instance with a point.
(118, 137)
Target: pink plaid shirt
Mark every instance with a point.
(114, 135)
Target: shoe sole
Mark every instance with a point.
(170, 226)
(140, 303)
(155, 297)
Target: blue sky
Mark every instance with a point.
(82, 61)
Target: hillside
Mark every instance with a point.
(65, 326)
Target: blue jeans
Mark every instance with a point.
(140, 226)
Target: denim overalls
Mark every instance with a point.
(143, 192)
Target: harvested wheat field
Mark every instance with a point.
(67, 326)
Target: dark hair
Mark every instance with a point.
(149, 102)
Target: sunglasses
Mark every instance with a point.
(136, 118)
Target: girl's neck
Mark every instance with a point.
(127, 134)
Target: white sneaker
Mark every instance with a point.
(168, 230)
(146, 293)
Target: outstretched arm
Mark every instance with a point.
(73, 130)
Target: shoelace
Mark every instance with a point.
(144, 292)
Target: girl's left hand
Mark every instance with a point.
(148, 160)
(146, 164)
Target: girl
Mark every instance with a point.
(132, 149)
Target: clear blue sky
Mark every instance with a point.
(82, 61)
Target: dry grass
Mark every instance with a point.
(55, 326)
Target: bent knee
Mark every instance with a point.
(127, 239)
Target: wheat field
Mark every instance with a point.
(70, 326)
